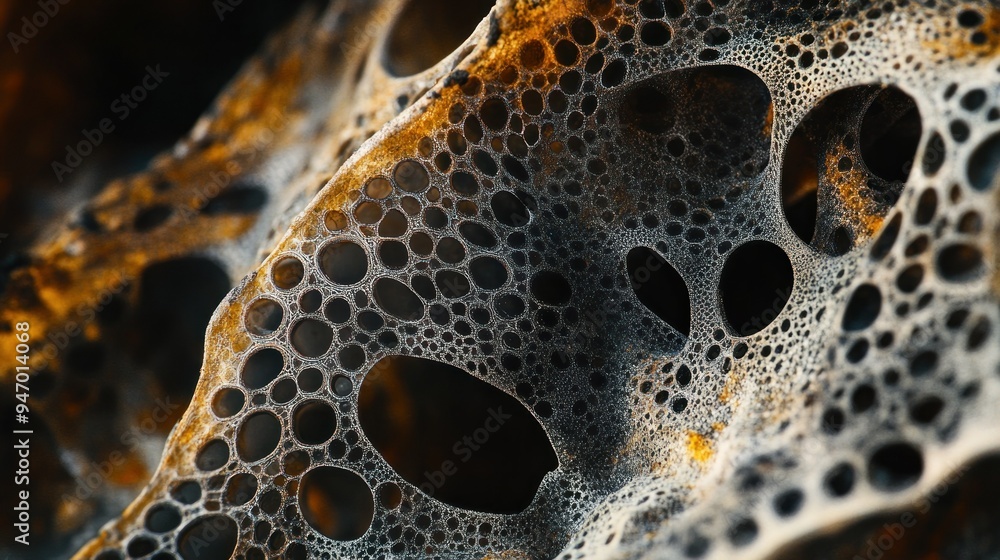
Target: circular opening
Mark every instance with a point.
(314, 422)
(337, 503)
(258, 436)
(287, 272)
(895, 466)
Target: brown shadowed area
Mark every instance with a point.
(438, 26)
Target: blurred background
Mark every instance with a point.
(64, 67)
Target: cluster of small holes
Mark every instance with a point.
(610, 242)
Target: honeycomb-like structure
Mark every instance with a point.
(157, 251)
(723, 272)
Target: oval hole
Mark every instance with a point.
(659, 287)
(458, 439)
(755, 286)
(337, 503)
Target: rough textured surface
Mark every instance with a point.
(736, 260)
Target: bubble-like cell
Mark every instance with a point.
(477, 234)
(393, 224)
(393, 254)
(509, 209)
(450, 250)
(464, 183)
(452, 284)
(984, 163)
(423, 286)
(509, 306)
(262, 367)
(411, 176)
(140, 546)
(788, 502)
(337, 503)
(314, 422)
(895, 466)
(437, 26)
(926, 409)
(283, 391)
(884, 242)
(241, 488)
(310, 337)
(341, 386)
(397, 299)
(208, 536)
(488, 273)
(236, 199)
(296, 462)
(839, 480)
(862, 308)
(228, 401)
(960, 262)
(889, 135)
(909, 279)
(378, 188)
(368, 212)
(551, 288)
(338, 311)
(213, 455)
(263, 317)
(756, 283)
(435, 217)
(310, 380)
(370, 321)
(162, 518)
(343, 262)
(310, 301)
(258, 436)
(494, 114)
(655, 33)
(742, 532)
(335, 220)
(287, 272)
(186, 492)
(421, 243)
(351, 357)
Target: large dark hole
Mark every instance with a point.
(845, 164)
(895, 466)
(659, 287)
(984, 163)
(890, 133)
(756, 283)
(429, 30)
(176, 301)
(799, 185)
(863, 308)
(457, 438)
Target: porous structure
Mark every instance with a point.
(719, 275)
